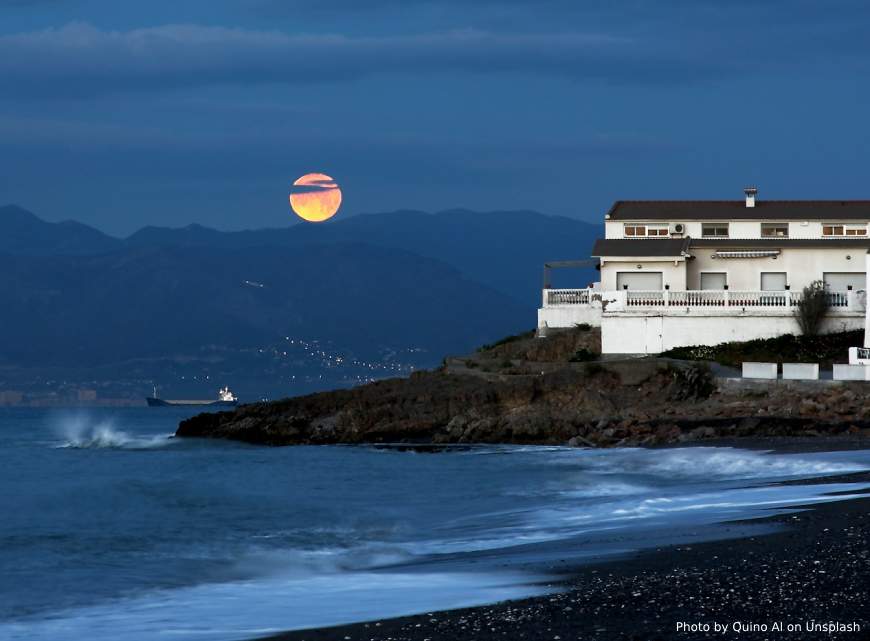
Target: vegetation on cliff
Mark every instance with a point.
(824, 349)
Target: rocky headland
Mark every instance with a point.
(552, 390)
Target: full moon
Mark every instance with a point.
(315, 197)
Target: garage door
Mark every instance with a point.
(840, 281)
(644, 281)
(714, 280)
(773, 281)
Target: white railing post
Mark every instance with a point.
(667, 298)
(621, 299)
(727, 298)
(788, 298)
(546, 297)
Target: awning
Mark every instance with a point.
(747, 253)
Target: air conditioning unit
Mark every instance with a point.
(677, 229)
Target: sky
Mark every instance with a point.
(125, 114)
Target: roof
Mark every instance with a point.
(658, 247)
(684, 210)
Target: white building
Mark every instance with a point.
(678, 273)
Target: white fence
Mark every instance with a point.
(653, 299)
(566, 297)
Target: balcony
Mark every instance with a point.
(689, 301)
(731, 299)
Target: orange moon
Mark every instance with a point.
(316, 197)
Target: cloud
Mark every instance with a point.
(79, 59)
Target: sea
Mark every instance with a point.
(111, 528)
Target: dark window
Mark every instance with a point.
(779, 230)
(715, 230)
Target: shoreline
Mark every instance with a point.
(815, 566)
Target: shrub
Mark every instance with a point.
(583, 355)
(584, 327)
(693, 381)
(812, 308)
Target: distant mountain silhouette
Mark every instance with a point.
(441, 283)
(22, 233)
(152, 302)
(502, 249)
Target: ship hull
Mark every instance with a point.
(159, 402)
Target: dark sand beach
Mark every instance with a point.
(812, 570)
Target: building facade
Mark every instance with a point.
(680, 273)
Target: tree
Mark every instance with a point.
(812, 308)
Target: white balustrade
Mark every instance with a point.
(566, 297)
(651, 298)
(700, 298)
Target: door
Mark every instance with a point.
(773, 281)
(714, 280)
(653, 328)
(840, 281)
(643, 281)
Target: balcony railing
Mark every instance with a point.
(652, 299)
(566, 297)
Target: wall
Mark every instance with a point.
(803, 266)
(635, 333)
(673, 275)
(569, 315)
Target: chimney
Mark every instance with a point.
(750, 192)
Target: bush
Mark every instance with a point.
(584, 327)
(824, 349)
(812, 308)
(583, 355)
(694, 381)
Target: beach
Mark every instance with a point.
(161, 537)
(812, 572)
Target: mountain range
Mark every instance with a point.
(405, 281)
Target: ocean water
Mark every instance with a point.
(111, 529)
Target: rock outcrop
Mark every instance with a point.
(504, 396)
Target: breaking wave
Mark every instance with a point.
(81, 432)
(712, 463)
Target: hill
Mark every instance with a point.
(504, 250)
(405, 287)
(170, 300)
(23, 233)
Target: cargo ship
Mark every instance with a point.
(225, 399)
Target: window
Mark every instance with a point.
(633, 230)
(714, 230)
(843, 229)
(778, 230)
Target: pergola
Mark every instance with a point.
(566, 264)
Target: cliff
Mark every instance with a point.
(547, 391)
